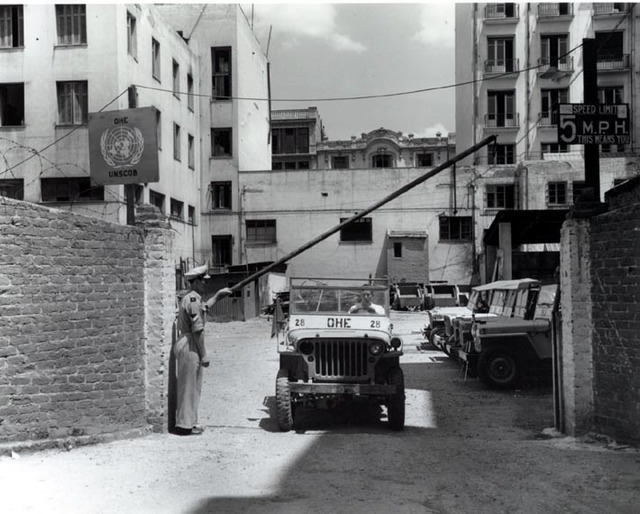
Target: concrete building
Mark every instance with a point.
(509, 90)
(58, 63)
(523, 60)
(317, 183)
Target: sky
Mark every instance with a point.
(338, 50)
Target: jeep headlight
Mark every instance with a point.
(376, 348)
(396, 343)
(306, 347)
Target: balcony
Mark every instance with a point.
(612, 62)
(501, 12)
(564, 64)
(555, 10)
(548, 119)
(501, 66)
(603, 9)
(502, 120)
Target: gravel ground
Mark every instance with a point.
(465, 449)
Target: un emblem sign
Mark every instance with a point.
(123, 147)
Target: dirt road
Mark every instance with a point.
(464, 450)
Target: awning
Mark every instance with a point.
(527, 227)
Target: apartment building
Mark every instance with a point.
(58, 63)
(524, 59)
(516, 62)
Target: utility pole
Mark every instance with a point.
(590, 86)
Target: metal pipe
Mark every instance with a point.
(361, 214)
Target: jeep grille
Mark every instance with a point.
(340, 359)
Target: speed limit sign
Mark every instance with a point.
(589, 124)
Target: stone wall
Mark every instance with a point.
(74, 331)
(615, 257)
(600, 283)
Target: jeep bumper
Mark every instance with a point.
(343, 389)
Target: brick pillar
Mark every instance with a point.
(576, 366)
(160, 298)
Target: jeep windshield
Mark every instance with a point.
(339, 296)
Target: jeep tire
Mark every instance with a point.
(499, 369)
(284, 409)
(395, 403)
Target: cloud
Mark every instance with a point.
(316, 21)
(432, 131)
(438, 24)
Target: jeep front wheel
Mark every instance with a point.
(499, 369)
(395, 403)
(284, 410)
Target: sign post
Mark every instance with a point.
(593, 124)
(123, 149)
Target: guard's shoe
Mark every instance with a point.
(197, 431)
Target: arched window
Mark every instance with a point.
(382, 160)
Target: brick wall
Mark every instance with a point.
(74, 338)
(615, 256)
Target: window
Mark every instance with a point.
(159, 128)
(339, 162)
(261, 231)
(610, 46)
(11, 26)
(192, 215)
(397, 250)
(71, 24)
(176, 80)
(176, 141)
(455, 228)
(550, 99)
(221, 66)
(358, 231)
(500, 55)
(424, 159)
(155, 59)
(72, 103)
(177, 209)
(132, 35)
(221, 247)
(557, 193)
(500, 10)
(554, 148)
(11, 105)
(12, 188)
(221, 195)
(501, 109)
(191, 151)
(290, 140)
(578, 187)
(290, 165)
(221, 142)
(132, 97)
(190, 92)
(70, 189)
(502, 154)
(156, 199)
(501, 196)
(610, 95)
(553, 49)
(382, 160)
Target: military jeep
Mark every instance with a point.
(508, 348)
(338, 347)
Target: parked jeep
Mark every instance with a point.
(506, 349)
(503, 296)
(488, 300)
(407, 296)
(441, 295)
(338, 345)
